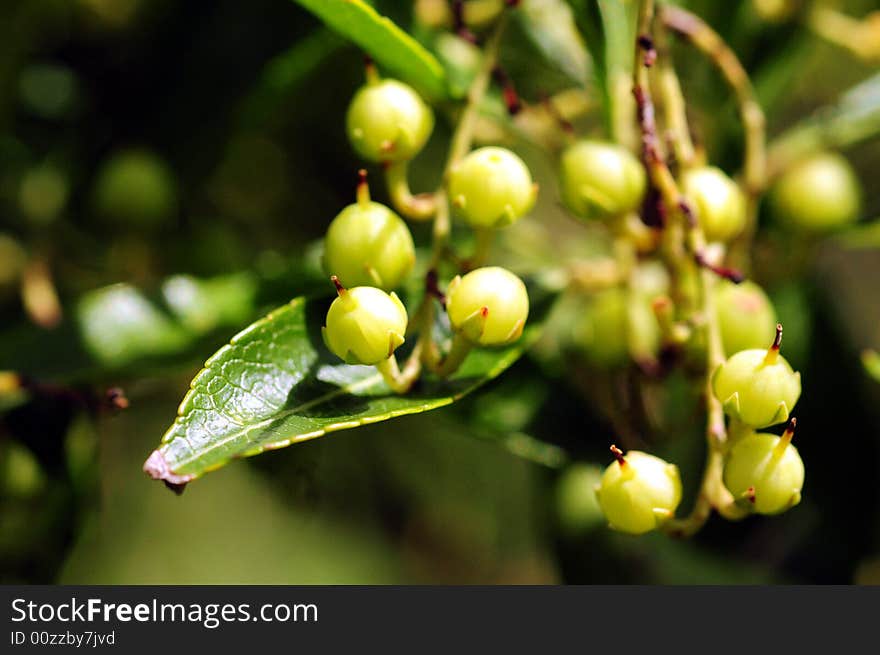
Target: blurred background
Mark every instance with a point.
(166, 173)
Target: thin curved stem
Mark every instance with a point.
(401, 381)
(421, 207)
(708, 42)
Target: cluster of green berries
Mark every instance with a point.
(758, 388)
(369, 250)
(603, 181)
(763, 472)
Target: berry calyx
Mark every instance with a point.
(364, 325)
(491, 187)
(758, 387)
(367, 244)
(488, 306)
(718, 202)
(746, 317)
(601, 180)
(764, 472)
(387, 121)
(638, 492)
(817, 195)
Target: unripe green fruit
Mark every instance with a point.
(387, 121)
(746, 317)
(488, 306)
(135, 187)
(775, 11)
(600, 333)
(818, 194)
(479, 13)
(614, 326)
(764, 472)
(639, 492)
(758, 387)
(491, 187)
(365, 325)
(718, 202)
(601, 180)
(577, 508)
(367, 244)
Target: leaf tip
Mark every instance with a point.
(157, 468)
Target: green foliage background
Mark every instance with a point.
(239, 108)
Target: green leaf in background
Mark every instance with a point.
(284, 73)
(275, 384)
(607, 26)
(119, 324)
(120, 329)
(550, 25)
(390, 46)
(854, 118)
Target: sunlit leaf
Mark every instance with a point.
(392, 48)
(275, 384)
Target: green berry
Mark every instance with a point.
(719, 203)
(364, 325)
(600, 332)
(135, 187)
(765, 472)
(614, 325)
(488, 306)
(387, 121)
(601, 180)
(367, 244)
(746, 316)
(758, 387)
(577, 508)
(817, 195)
(491, 187)
(639, 492)
(480, 13)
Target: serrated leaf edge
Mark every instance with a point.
(157, 467)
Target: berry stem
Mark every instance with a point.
(420, 207)
(675, 108)
(484, 238)
(618, 454)
(400, 381)
(370, 71)
(858, 36)
(451, 362)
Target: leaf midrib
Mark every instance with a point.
(347, 389)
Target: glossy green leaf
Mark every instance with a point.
(275, 384)
(392, 48)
